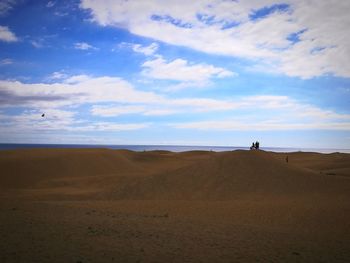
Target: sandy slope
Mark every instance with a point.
(331, 164)
(229, 175)
(25, 168)
(99, 205)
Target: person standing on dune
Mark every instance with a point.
(253, 146)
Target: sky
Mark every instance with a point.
(176, 72)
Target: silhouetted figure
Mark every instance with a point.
(287, 159)
(43, 115)
(253, 146)
(257, 145)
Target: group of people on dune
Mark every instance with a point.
(255, 146)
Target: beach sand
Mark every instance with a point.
(101, 205)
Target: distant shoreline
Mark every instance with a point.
(172, 148)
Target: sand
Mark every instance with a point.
(100, 205)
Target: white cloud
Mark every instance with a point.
(204, 104)
(84, 46)
(181, 70)
(109, 111)
(160, 111)
(186, 84)
(73, 91)
(6, 61)
(76, 79)
(6, 35)
(138, 48)
(146, 110)
(146, 50)
(81, 89)
(31, 120)
(257, 113)
(58, 75)
(320, 29)
(165, 106)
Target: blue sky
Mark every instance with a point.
(175, 72)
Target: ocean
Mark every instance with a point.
(172, 148)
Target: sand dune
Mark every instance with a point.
(331, 164)
(25, 168)
(228, 175)
(121, 174)
(100, 205)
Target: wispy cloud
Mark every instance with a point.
(37, 43)
(84, 46)
(6, 61)
(232, 125)
(58, 75)
(138, 48)
(57, 120)
(275, 113)
(50, 4)
(146, 50)
(6, 6)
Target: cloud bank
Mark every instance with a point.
(298, 38)
(116, 97)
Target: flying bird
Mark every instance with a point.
(43, 115)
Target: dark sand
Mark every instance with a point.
(99, 205)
